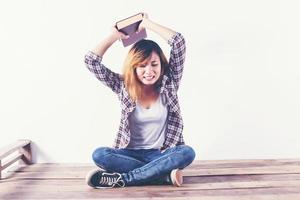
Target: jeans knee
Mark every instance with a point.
(188, 153)
(99, 154)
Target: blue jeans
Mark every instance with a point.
(144, 166)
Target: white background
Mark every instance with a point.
(239, 95)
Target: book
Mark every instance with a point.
(129, 26)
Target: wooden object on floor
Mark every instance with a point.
(20, 150)
(205, 180)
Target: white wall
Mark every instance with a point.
(239, 95)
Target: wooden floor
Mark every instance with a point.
(203, 180)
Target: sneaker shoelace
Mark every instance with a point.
(112, 181)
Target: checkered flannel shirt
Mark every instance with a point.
(169, 87)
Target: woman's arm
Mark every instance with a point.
(163, 31)
(115, 35)
(93, 61)
(177, 43)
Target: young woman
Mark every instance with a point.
(149, 147)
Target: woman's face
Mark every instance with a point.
(149, 71)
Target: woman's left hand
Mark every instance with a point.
(143, 24)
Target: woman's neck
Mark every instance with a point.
(148, 91)
(148, 97)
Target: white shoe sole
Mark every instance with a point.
(176, 177)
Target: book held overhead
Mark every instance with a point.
(129, 26)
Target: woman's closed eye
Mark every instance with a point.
(142, 66)
(154, 63)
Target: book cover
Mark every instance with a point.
(129, 26)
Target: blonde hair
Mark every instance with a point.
(139, 53)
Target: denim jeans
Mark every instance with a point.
(143, 166)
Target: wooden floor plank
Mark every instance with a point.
(81, 172)
(203, 164)
(77, 187)
(127, 193)
(203, 167)
(195, 179)
(207, 180)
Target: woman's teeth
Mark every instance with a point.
(148, 77)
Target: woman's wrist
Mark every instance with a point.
(147, 23)
(163, 31)
(112, 38)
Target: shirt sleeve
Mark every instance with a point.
(105, 75)
(177, 57)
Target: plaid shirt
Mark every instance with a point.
(169, 87)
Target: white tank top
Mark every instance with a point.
(148, 126)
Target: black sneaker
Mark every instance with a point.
(98, 178)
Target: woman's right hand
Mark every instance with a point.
(117, 34)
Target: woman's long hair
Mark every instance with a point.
(139, 53)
